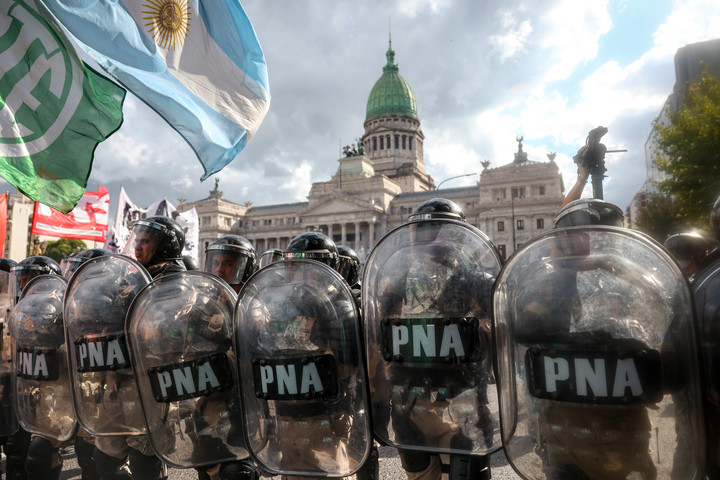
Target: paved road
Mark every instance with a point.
(390, 468)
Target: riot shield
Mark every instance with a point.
(297, 338)
(96, 301)
(8, 420)
(43, 398)
(427, 290)
(598, 366)
(180, 337)
(706, 287)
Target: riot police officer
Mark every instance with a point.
(689, 249)
(156, 243)
(299, 357)
(14, 440)
(84, 442)
(232, 258)
(43, 458)
(706, 289)
(596, 347)
(427, 304)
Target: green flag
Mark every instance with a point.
(54, 109)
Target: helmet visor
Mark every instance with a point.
(271, 256)
(144, 241)
(19, 277)
(228, 264)
(348, 269)
(68, 266)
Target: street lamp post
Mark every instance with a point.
(452, 178)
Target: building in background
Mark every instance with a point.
(17, 233)
(690, 61)
(382, 178)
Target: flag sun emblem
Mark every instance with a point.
(168, 21)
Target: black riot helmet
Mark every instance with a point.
(715, 219)
(28, 269)
(270, 256)
(348, 265)
(313, 245)
(687, 247)
(588, 212)
(436, 208)
(232, 258)
(72, 262)
(154, 240)
(6, 264)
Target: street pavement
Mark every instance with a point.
(390, 468)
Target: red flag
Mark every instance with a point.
(3, 222)
(87, 221)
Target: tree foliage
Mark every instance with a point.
(60, 249)
(661, 217)
(689, 151)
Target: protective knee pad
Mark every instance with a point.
(39, 460)
(110, 468)
(413, 461)
(467, 467)
(144, 467)
(240, 470)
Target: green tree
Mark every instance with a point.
(661, 217)
(690, 151)
(60, 249)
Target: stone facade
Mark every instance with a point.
(382, 179)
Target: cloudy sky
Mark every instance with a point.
(483, 72)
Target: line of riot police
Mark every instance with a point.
(579, 356)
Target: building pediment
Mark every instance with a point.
(339, 204)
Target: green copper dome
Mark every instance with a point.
(391, 94)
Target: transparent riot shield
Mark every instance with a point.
(427, 290)
(706, 288)
(598, 365)
(297, 337)
(8, 419)
(180, 337)
(43, 398)
(96, 301)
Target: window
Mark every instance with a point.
(374, 143)
(382, 143)
(521, 224)
(403, 140)
(501, 226)
(409, 143)
(540, 222)
(501, 250)
(541, 190)
(397, 142)
(518, 192)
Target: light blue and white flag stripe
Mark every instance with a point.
(197, 63)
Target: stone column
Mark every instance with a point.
(343, 233)
(330, 231)
(357, 236)
(371, 234)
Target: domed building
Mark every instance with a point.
(381, 180)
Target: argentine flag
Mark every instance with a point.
(197, 63)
